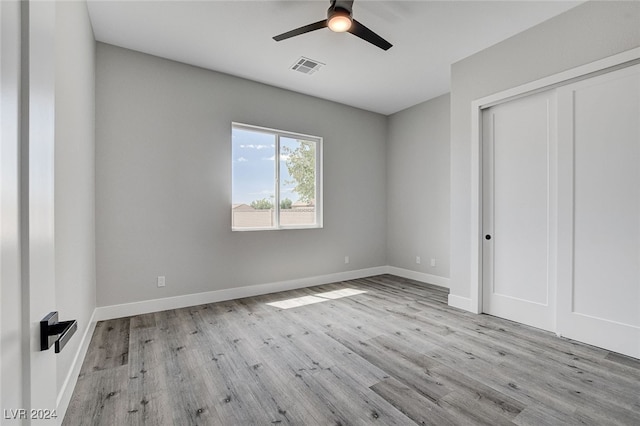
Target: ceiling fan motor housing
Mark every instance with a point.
(338, 19)
(337, 11)
(346, 5)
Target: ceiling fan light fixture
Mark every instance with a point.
(339, 21)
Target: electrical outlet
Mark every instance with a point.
(418, 260)
(161, 281)
(346, 259)
(433, 262)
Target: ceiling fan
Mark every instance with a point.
(339, 19)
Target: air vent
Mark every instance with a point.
(306, 65)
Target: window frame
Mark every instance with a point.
(278, 134)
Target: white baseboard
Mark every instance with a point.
(419, 276)
(66, 392)
(464, 303)
(176, 302)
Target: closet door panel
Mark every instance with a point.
(599, 263)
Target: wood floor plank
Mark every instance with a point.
(110, 346)
(108, 399)
(414, 405)
(143, 321)
(235, 370)
(350, 403)
(294, 402)
(624, 360)
(152, 409)
(470, 410)
(330, 351)
(494, 404)
(398, 367)
(568, 380)
(146, 363)
(394, 353)
(536, 415)
(593, 415)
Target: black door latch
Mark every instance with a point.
(52, 331)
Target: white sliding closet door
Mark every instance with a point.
(599, 211)
(518, 202)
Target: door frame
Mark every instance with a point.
(621, 60)
(11, 343)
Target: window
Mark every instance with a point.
(276, 179)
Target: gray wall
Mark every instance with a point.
(163, 181)
(418, 198)
(589, 32)
(74, 173)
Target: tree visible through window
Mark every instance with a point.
(276, 179)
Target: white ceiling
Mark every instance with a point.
(235, 37)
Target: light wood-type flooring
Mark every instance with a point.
(394, 354)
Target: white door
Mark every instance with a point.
(599, 207)
(518, 202)
(28, 375)
(39, 215)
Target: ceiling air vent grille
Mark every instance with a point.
(306, 65)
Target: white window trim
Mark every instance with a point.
(319, 178)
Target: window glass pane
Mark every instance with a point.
(276, 179)
(254, 177)
(297, 182)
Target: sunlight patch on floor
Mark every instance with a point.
(296, 302)
(337, 294)
(317, 298)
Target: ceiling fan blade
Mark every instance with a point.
(366, 34)
(306, 29)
